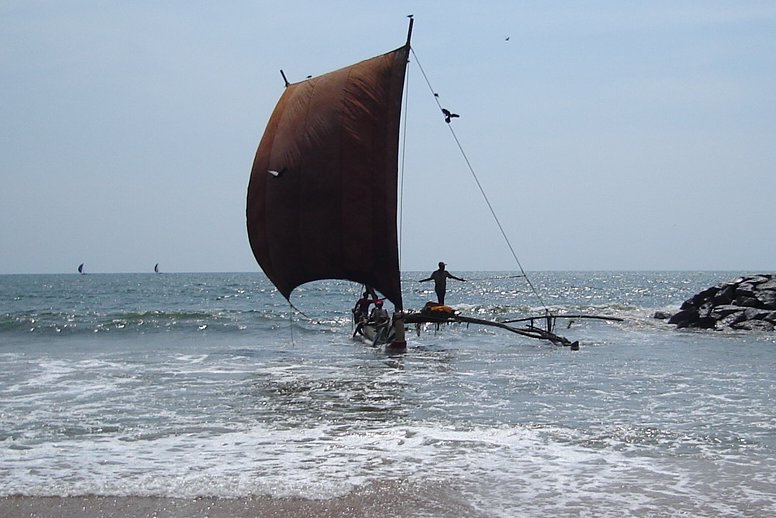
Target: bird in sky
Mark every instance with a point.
(449, 115)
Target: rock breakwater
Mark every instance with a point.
(747, 303)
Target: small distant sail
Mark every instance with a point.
(156, 268)
(81, 268)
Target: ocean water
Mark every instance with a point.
(210, 386)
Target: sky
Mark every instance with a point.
(607, 135)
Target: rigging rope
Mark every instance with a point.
(291, 322)
(479, 186)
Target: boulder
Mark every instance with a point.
(685, 318)
(754, 325)
(725, 295)
(746, 302)
(745, 289)
(756, 314)
(721, 312)
(770, 284)
(732, 319)
(767, 298)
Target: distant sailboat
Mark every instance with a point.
(81, 268)
(156, 268)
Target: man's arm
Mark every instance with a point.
(424, 280)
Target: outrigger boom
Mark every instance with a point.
(531, 331)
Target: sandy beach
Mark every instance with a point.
(377, 500)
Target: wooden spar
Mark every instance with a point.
(526, 319)
(531, 332)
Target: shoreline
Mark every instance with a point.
(375, 500)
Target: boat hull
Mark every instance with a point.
(381, 336)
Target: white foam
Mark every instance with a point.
(503, 469)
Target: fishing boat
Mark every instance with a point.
(322, 195)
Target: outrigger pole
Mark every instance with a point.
(531, 331)
(554, 317)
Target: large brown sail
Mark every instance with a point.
(323, 189)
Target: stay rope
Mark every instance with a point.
(479, 185)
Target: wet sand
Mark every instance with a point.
(374, 501)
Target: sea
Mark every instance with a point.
(208, 394)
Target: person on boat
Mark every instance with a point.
(361, 309)
(379, 315)
(440, 281)
(380, 321)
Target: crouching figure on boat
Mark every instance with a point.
(380, 321)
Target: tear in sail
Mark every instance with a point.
(323, 188)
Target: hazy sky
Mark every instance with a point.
(607, 134)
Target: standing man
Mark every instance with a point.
(440, 281)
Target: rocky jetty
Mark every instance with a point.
(747, 303)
